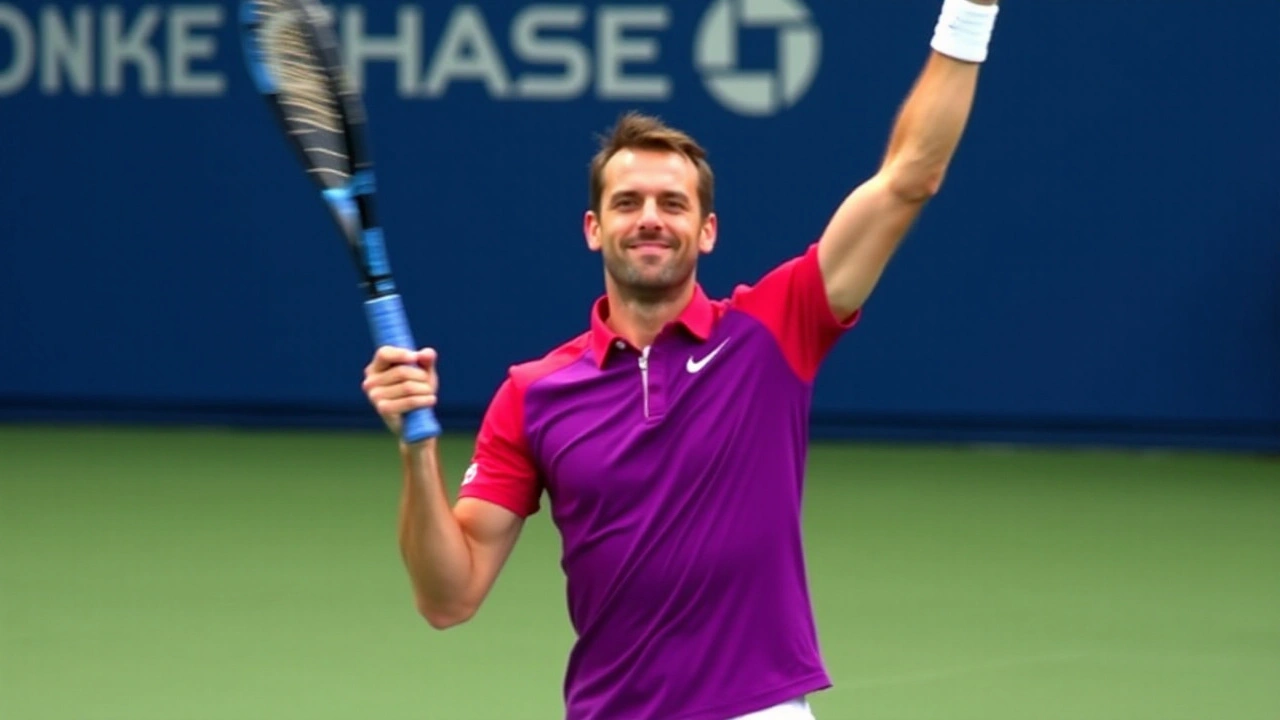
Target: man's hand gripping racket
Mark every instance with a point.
(399, 381)
(292, 54)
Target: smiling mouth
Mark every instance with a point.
(650, 245)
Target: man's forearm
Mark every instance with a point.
(931, 123)
(435, 549)
(867, 227)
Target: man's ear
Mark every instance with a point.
(707, 237)
(591, 230)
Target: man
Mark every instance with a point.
(670, 438)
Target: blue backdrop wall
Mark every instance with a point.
(1103, 264)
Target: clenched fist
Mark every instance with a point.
(398, 380)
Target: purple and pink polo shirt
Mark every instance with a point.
(675, 474)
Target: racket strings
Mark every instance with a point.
(305, 96)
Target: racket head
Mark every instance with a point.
(293, 56)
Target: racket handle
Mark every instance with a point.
(390, 326)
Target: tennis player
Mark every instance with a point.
(670, 437)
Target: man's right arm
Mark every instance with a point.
(453, 554)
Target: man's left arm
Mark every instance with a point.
(870, 223)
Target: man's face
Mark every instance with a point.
(650, 228)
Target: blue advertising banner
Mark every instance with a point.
(1102, 264)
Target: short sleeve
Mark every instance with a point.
(791, 300)
(502, 470)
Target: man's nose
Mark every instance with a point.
(650, 218)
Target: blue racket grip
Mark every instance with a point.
(390, 326)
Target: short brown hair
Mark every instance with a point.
(637, 131)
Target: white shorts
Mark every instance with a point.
(797, 709)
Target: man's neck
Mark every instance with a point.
(640, 319)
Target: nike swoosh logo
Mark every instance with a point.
(694, 366)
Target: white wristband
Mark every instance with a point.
(964, 30)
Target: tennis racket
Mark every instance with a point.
(292, 54)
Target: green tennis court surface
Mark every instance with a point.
(217, 575)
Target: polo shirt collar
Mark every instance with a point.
(697, 318)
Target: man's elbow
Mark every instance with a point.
(916, 182)
(443, 618)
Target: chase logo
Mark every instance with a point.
(757, 92)
(537, 52)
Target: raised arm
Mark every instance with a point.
(453, 554)
(868, 226)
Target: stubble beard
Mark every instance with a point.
(648, 283)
